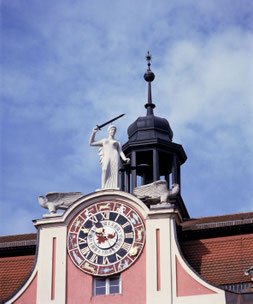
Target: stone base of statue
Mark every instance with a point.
(110, 189)
(47, 215)
(162, 206)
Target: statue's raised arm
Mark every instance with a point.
(110, 152)
(92, 138)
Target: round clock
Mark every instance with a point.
(106, 237)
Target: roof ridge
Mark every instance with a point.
(18, 243)
(220, 224)
(20, 234)
(212, 216)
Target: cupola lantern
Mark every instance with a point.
(153, 154)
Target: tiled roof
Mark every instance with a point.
(13, 272)
(221, 260)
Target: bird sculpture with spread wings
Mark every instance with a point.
(58, 200)
(249, 272)
(157, 190)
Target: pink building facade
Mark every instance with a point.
(150, 270)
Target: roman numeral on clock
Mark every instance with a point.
(125, 225)
(94, 219)
(82, 241)
(126, 246)
(94, 258)
(105, 260)
(85, 251)
(105, 215)
(118, 257)
(129, 235)
(117, 217)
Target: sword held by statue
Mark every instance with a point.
(106, 123)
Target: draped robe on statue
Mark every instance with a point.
(110, 152)
(110, 162)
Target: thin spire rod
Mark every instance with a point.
(149, 76)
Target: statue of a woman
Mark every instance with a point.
(110, 152)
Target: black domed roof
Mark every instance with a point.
(150, 127)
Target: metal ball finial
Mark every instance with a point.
(149, 76)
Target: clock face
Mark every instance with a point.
(106, 238)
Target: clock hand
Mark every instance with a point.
(110, 236)
(108, 242)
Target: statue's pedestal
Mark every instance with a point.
(162, 206)
(108, 189)
(47, 215)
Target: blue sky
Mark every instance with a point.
(69, 65)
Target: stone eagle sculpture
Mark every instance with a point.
(157, 190)
(249, 272)
(58, 200)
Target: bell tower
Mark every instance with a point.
(153, 154)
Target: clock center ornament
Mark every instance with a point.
(106, 237)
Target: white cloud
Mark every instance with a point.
(68, 67)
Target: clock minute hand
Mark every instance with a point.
(108, 242)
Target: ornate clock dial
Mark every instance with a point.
(106, 238)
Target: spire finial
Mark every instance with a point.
(149, 76)
(148, 58)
